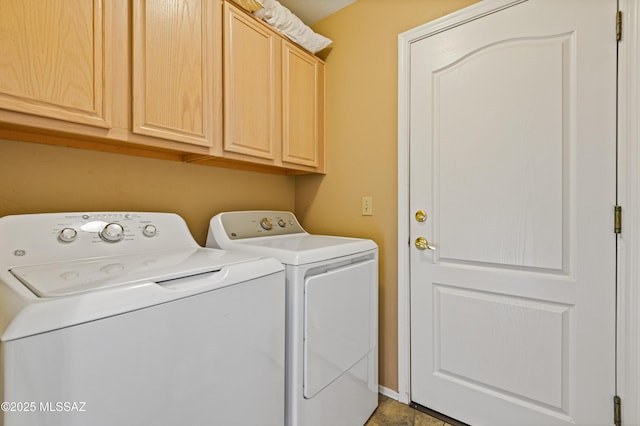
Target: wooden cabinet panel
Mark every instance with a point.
(274, 97)
(251, 87)
(54, 59)
(176, 70)
(303, 106)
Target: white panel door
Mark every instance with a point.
(512, 159)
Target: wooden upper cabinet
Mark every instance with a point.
(303, 107)
(164, 78)
(274, 97)
(54, 59)
(251, 86)
(177, 70)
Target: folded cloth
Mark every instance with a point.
(291, 26)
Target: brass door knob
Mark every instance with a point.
(423, 244)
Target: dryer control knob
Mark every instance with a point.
(67, 235)
(266, 224)
(282, 223)
(112, 233)
(149, 231)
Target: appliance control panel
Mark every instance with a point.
(66, 236)
(252, 224)
(108, 227)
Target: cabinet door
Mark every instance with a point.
(54, 59)
(252, 98)
(176, 70)
(302, 106)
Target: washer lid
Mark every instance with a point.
(86, 275)
(301, 249)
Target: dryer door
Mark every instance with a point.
(340, 322)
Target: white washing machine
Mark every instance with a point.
(332, 314)
(122, 319)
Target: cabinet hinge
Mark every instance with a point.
(617, 220)
(619, 25)
(617, 410)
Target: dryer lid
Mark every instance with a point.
(86, 275)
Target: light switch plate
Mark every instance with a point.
(367, 206)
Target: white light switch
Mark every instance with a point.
(367, 206)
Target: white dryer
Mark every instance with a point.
(122, 319)
(332, 314)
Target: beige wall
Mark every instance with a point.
(40, 178)
(362, 82)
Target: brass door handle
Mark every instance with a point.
(423, 244)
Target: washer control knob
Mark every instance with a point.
(266, 224)
(67, 235)
(149, 231)
(112, 233)
(282, 223)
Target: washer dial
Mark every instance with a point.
(67, 235)
(149, 231)
(112, 232)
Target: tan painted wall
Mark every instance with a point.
(40, 178)
(362, 105)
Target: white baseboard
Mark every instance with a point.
(388, 392)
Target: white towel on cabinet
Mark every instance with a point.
(290, 25)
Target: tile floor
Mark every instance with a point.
(393, 413)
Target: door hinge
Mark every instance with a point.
(619, 25)
(617, 220)
(617, 410)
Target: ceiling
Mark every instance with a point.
(311, 11)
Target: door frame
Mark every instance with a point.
(628, 269)
(628, 332)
